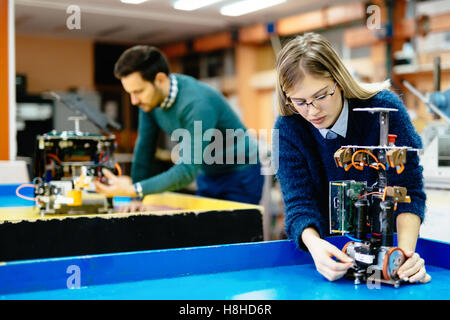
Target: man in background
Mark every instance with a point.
(228, 167)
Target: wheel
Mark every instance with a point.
(393, 259)
(344, 249)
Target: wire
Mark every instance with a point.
(24, 186)
(400, 170)
(119, 170)
(361, 166)
(377, 166)
(53, 156)
(368, 194)
(384, 194)
(100, 157)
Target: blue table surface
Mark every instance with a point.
(262, 270)
(8, 197)
(277, 283)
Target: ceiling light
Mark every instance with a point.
(133, 1)
(246, 6)
(190, 5)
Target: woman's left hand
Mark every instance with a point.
(413, 269)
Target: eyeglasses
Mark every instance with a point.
(295, 106)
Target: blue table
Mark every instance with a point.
(258, 270)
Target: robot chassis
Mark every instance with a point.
(67, 163)
(357, 210)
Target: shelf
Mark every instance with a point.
(264, 80)
(414, 69)
(225, 84)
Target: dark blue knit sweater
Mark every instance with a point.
(306, 163)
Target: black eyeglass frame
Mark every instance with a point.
(291, 104)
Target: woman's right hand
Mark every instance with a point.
(323, 252)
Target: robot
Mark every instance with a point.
(365, 213)
(67, 162)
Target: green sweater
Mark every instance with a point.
(196, 109)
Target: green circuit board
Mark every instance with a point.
(343, 195)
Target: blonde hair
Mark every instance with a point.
(311, 53)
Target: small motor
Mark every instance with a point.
(370, 260)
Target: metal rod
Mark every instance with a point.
(430, 105)
(384, 128)
(437, 73)
(382, 147)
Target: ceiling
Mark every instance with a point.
(153, 22)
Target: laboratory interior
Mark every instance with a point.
(225, 149)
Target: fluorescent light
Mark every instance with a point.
(189, 5)
(246, 6)
(133, 1)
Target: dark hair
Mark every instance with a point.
(145, 59)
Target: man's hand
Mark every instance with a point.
(118, 186)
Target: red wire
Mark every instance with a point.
(368, 194)
(51, 155)
(119, 170)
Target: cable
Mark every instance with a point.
(100, 157)
(361, 167)
(368, 194)
(384, 194)
(119, 170)
(54, 157)
(24, 186)
(377, 166)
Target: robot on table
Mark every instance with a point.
(366, 213)
(66, 165)
(67, 162)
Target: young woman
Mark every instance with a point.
(316, 97)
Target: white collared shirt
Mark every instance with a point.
(340, 126)
(173, 91)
